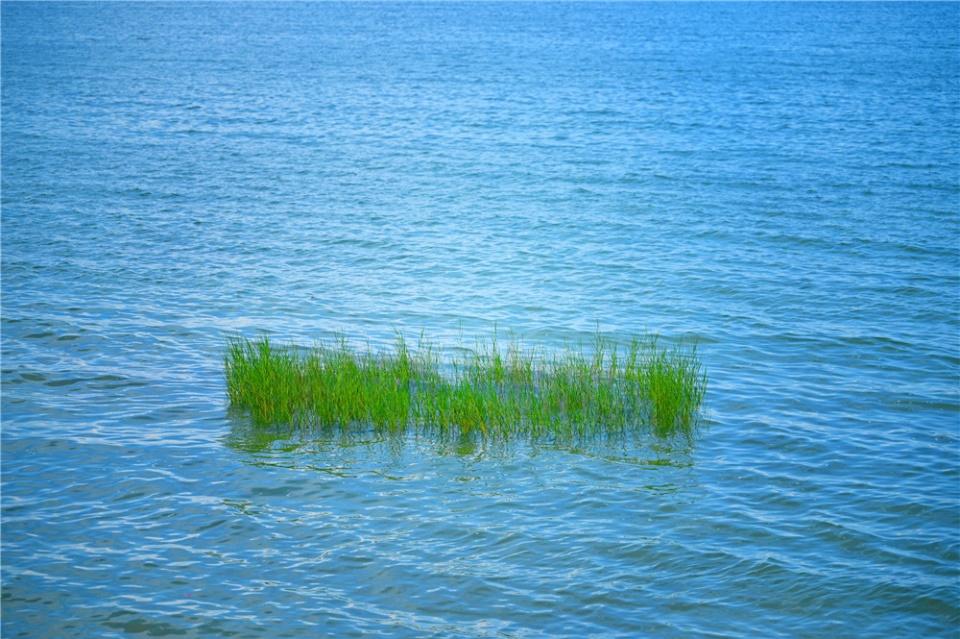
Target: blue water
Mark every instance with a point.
(777, 183)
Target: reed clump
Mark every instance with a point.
(492, 391)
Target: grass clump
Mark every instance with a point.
(492, 391)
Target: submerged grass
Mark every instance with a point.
(492, 391)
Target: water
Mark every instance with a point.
(777, 183)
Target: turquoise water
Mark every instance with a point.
(776, 183)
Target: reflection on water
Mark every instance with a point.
(286, 441)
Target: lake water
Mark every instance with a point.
(778, 184)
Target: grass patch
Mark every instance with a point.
(493, 391)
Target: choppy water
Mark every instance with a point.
(778, 183)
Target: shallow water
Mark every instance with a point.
(776, 183)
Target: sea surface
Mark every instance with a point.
(776, 184)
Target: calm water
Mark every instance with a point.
(777, 183)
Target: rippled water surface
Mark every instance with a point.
(776, 183)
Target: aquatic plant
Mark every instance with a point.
(491, 391)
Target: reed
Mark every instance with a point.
(491, 392)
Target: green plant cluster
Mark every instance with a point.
(492, 391)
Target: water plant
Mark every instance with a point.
(490, 392)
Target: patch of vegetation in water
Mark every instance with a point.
(492, 392)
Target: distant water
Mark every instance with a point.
(778, 183)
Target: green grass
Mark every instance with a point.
(491, 392)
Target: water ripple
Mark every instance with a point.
(778, 188)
